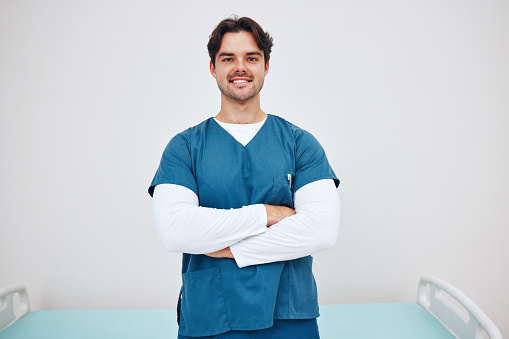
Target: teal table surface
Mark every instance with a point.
(81, 324)
(349, 321)
(379, 321)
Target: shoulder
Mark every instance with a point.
(302, 137)
(192, 132)
(196, 130)
(297, 132)
(187, 139)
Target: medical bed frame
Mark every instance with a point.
(439, 305)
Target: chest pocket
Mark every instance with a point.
(282, 191)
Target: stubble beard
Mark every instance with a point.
(231, 94)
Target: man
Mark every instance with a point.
(246, 197)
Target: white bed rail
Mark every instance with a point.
(8, 314)
(455, 311)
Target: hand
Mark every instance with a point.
(224, 253)
(277, 213)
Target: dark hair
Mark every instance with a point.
(235, 25)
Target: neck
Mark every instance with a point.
(240, 112)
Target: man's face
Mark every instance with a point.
(240, 67)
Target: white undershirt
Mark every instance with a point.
(243, 133)
(184, 226)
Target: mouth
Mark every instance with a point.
(240, 81)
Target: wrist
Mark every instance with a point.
(224, 253)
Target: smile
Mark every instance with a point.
(240, 81)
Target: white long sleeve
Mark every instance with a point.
(184, 227)
(313, 228)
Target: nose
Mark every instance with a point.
(240, 66)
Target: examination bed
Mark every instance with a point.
(441, 311)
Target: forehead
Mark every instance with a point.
(238, 43)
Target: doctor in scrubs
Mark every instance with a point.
(247, 197)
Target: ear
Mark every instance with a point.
(266, 68)
(212, 69)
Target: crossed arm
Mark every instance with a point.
(274, 215)
(253, 234)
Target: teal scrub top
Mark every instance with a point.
(217, 296)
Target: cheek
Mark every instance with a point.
(222, 74)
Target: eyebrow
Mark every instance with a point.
(223, 54)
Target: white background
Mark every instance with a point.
(409, 99)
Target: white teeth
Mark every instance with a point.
(238, 81)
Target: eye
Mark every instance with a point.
(227, 59)
(252, 59)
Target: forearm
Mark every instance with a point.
(183, 226)
(314, 228)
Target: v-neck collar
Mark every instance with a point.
(252, 139)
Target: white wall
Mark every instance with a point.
(409, 99)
